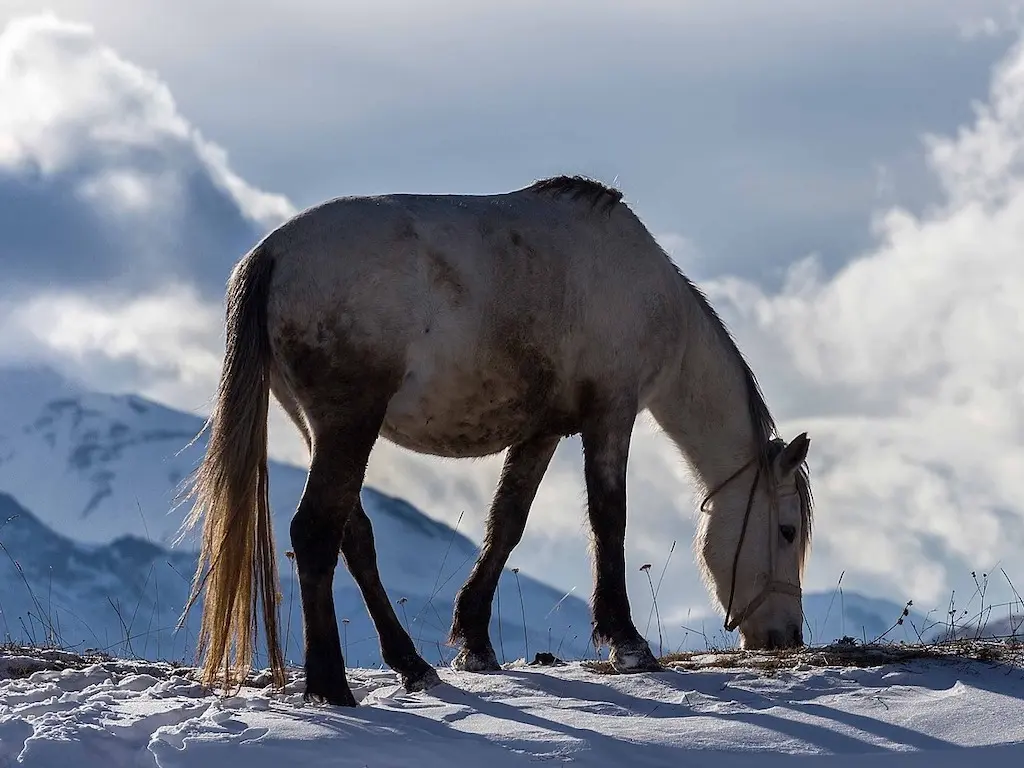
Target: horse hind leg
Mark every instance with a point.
(606, 448)
(396, 646)
(521, 475)
(329, 520)
(316, 533)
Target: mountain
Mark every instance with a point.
(90, 480)
(834, 615)
(988, 627)
(121, 597)
(125, 597)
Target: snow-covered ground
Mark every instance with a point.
(927, 713)
(85, 487)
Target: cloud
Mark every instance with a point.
(1004, 19)
(166, 344)
(120, 223)
(691, 107)
(96, 144)
(905, 366)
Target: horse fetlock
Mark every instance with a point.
(415, 672)
(403, 657)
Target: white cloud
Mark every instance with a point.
(127, 192)
(168, 342)
(910, 360)
(991, 22)
(72, 104)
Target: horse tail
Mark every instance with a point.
(230, 488)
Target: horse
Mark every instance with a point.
(463, 326)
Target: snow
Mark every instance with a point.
(102, 469)
(935, 713)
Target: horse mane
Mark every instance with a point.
(765, 430)
(579, 187)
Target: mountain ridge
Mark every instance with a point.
(105, 469)
(108, 468)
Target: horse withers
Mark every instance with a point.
(464, 326)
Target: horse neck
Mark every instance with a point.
(704, 409)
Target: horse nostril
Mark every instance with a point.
(774, 639)
(796, 635)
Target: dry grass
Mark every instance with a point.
(20, 661)
(1003, 651)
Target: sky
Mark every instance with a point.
(843, 179)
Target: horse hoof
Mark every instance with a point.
(474, 661)
(327, 684)
(421, 681)
(343, 698)
(632, 658)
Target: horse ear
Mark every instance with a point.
(793, 455)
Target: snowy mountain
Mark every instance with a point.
(125, 597)
(89, 482)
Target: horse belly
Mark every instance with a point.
(460, 414)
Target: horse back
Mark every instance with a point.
(477, 304)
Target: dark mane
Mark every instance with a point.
(760, 416)
(765, 430)
(579, 187)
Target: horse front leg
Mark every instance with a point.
(521, 475)
(605, 454)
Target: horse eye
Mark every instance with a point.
(788, 532)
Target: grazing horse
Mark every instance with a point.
(463, 326)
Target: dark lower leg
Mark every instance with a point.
(340, 453)
(316, 537)
(396, 646)
(605, 457)
(521, 476)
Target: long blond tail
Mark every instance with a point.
(230, 489)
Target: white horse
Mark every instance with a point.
(462, 326)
